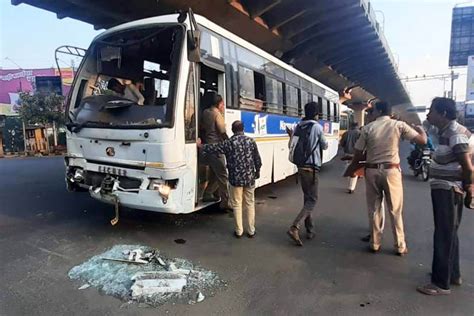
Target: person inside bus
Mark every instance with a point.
(213, 132)
(243, 163)
(127, 91)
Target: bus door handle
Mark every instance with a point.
(125, 144)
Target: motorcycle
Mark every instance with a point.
(421, 165)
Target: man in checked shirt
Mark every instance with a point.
(243, 163)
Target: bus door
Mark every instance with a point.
(212, 81)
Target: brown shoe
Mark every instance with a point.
(295, 236)
(310, 235)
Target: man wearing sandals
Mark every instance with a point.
(383, 178)
(451, 174)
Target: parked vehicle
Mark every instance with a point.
(145, 156)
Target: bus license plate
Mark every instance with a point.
(113, 171)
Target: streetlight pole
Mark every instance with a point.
(13, 62)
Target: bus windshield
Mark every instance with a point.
(128, 79)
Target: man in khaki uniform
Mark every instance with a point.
(213, 128)
(380, 140)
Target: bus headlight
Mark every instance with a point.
(163, 189)
(79, 175)
(164, 192)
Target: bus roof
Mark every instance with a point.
(172, 18)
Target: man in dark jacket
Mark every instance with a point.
(308, 171)
(243, 163)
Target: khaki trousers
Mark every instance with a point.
(388, 182)
(243, 199)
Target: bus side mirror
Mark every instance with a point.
(194, 50)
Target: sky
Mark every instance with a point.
(418, 33)
(29, 36)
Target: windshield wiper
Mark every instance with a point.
(76, 127)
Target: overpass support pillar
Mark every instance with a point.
(359, 112)
(359, 117)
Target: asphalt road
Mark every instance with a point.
(45, 231)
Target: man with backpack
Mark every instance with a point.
(306, 144)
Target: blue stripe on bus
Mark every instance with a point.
(273, 124)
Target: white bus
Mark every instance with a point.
(145, 156)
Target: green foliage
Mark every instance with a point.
(42, 108)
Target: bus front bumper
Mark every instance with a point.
(149, 200)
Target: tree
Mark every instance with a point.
(41, 108)
(46, 109)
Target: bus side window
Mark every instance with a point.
(246, 80)
(259, 82)
(292, 100)
(231, 89)
(300, 102)
(303, 101)
(321, 108)
(190, 110)
(274, 89)
(336, 112)
(328, 111)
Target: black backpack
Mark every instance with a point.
(300, 143)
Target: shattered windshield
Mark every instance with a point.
(128, 78)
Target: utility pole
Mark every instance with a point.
(25, 141)
(453, 76)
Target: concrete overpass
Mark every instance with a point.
(340, 43)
